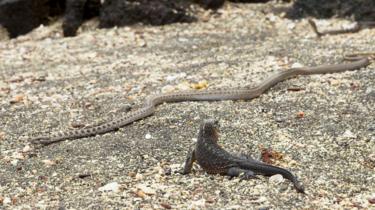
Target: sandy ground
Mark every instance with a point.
(49, 83)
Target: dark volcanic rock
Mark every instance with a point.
(120, 13)
(211, 4)
(358, 9)
(21, 16)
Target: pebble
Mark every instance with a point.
(138, 176)
(7, 200)
(49, 162)
(14, 162)
(110, 187)
(27, 148)
(371, 127)
(197, 204)
(168, 89)
(18, 155)
(200, 85)
(349, 134)
(3, 85)
(17, 99)
(147, 190)
(2, 135)
(173, 77)
(276, 179)
(296, 65)
(291, 25)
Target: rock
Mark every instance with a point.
(48, 162)
(198, 204)
(276, 179)
(140, 193)
(7, 201)
(2, 135)
(3, 85)
(17, 99)
(14, 162)
(148, 136)
(138, 177)
(296, 65)
(322, 9)
(147, 190)
(21, 16)
(121, 13)
(212, 4)
(26, 149)
(348, 134)
(110, 187)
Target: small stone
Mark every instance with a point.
(335, 82)
(27, 148)
(14, 162)
(138, 176)
(3, 85)
(17, 99)
(349, 134)
(370, 93)
(140, 193)
(300, 114)
(132, 174)
(18, 155)
(276, 179)
(148, 136)
(291, 25)
(261, 199)
(166, 205)
(200, 85)
(173, 77)
(296, 65)
(197, 204)
(110, 187)
(183, 39)
(7, 200)
(147, 190)
(271, 17)
(2, 136)
(183, 86)
(49, 162)
(370, 128)
(168, 89)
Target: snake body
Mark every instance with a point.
(359, 26)
(204, 95)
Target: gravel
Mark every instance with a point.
(324, 130)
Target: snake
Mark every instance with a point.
(355, 61)
(357, 27)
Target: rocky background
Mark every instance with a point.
(321, 127)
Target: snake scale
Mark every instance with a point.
(356, 61)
